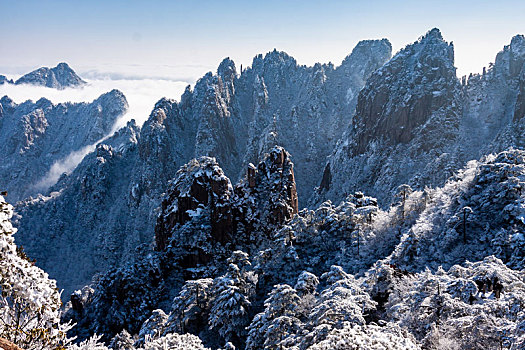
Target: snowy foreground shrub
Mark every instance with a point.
(456, 309)
(175, 342)
(30, 302)
(369, 337)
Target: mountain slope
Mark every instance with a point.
(38, 134)
(406, 123)
(235, 118)
(59, 77)
(416, 123)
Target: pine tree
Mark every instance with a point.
(30, 302)
(229, 313)
(122, 341)
(271, 328)
(191, 306)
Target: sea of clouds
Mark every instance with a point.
(142, 94)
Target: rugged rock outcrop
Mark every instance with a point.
(38, 134)
(200, 185)
(59, 77)
(265, 198)
(244, 215)
(407, 117)
(203, 219)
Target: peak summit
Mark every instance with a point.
(433, 33)
(59, 77)
(63, 65)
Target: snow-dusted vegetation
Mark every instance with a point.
(410, 234)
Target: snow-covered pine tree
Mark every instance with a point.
(190, 308)
(229, 313)
(271, 328)
(122, 341)
(343, 301)
(175, 341)
(306, 288)
(30, 302)
(153, 327)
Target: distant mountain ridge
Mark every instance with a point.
(37, 134)
(59, 77)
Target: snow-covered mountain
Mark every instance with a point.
(234, 118)
(59, 77)
(201, 280)
(203, 220)
(35, 135)
(414, 238)
(416, 123)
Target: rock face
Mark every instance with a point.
(38, 134)
(265, 198)
(200, 184)
(407, 115)
(203, 219)
(422, 81)
(59, 77)
(497, 98)
(243, 215)
(415, 123)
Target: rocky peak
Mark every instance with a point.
(4, 80)
(125, 138)
(367, 56)
(199, 185)
(59, 77)
(267, 196)
(105, 110)
(430, 50)
(263, 200)
(114, 97)
(226, 70)
(273, 60)
(517, 55)
(8, 105)
(405, 92)
(509, 62)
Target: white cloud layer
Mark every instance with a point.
(142, 94)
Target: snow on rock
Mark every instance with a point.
(59, 77)
(407, 115)
(39, 134)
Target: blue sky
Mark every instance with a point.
(184, 39)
